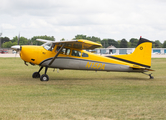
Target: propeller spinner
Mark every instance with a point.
(16, 48)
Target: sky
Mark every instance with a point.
(114, 19)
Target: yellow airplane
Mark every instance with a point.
(73, 55)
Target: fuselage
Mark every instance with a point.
(71, 58)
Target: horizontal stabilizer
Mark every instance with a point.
(141, 68)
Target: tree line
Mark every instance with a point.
(123, 43)
(24, 41)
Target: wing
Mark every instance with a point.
(78, 44)
(44, 41)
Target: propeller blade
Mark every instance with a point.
(18, 39)
(17, 47)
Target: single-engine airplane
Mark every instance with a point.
(73, 55)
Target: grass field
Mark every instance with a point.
(81, 95)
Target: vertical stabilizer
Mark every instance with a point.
(141, 55)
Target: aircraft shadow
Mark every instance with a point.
(98, 78)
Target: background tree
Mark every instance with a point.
(62, 39)
(93, 38)
(80, 37)
(104, 43)
(113, 43)
(7, 44)
(123, 43)
(157, 44)
(129, 45)
(133, 42)
(14, 41)
(3, 40)
(22, 41)
(164, 44)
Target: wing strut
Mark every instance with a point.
(56, 55)
(45, 77)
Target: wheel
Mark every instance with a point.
(44, 77)
(151, 77)
(36, 75)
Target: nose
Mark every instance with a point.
(29, 54)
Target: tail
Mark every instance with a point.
(141, 55)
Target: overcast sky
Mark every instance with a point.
(115, 19)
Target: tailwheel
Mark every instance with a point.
(150, 75)
(36, 75)
(44, 77)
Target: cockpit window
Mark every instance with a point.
(48, 46)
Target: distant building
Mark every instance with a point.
(111, 50)
(159, 50)
(111, 46)
(118, 51)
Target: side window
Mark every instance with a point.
(76, 53)
(64, 51)
(85, 55)
(67, 51)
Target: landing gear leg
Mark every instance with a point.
(44, 77)
(150, 75)
(37, 74)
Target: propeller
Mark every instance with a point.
(17, 47)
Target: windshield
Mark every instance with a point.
(48, 46)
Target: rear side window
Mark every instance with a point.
(67, 51)
(76, 53)
(85, 55)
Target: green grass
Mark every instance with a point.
(81, 95)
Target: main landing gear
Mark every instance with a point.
(44, 77)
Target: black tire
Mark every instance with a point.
(36, 75)
(44, 77)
